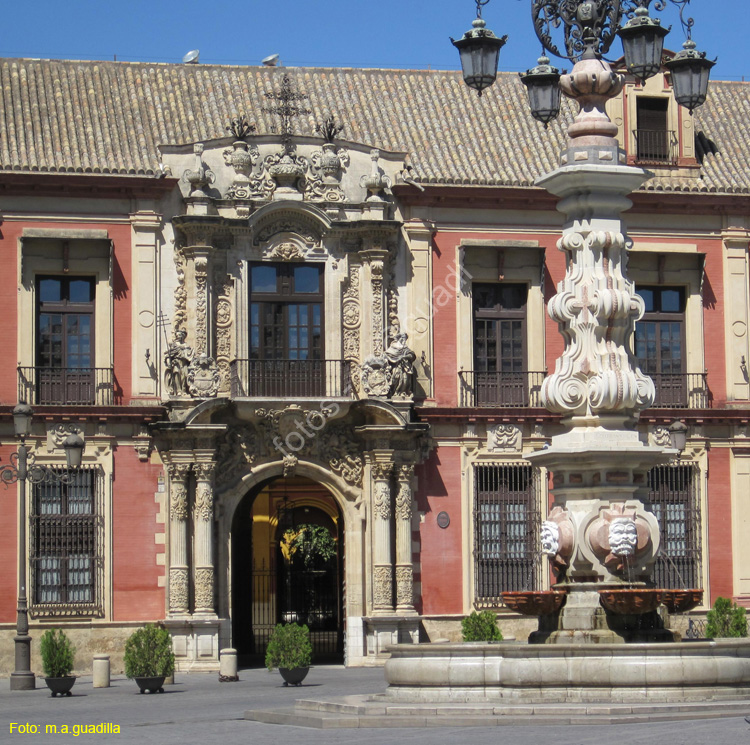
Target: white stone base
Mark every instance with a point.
(384, 631)
(196, 643)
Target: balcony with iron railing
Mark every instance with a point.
(500, 389)
(657, 146)
(291, 379)
(681, 391)
(66, 386)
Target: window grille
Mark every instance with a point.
(674, 496)
(506, 531)
(66, 544)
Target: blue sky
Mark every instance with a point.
(307, 33)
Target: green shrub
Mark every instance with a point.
(289, 647)
(726, 619)
(481, 627)
(148, 653)
(57, 654)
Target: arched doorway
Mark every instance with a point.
(287, 566)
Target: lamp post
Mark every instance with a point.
(19, 470)
(599, 462)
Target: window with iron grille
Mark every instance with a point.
(506, 531)
(66, 544)
(674, 495)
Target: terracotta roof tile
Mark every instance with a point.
(110, 117)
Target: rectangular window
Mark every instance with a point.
(500, 375)
(674, 496)
(506, 531)
(655, 142)
(66, 542)
(65, 341)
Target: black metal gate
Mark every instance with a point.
(291, 594)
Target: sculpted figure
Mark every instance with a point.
(623, 536)
(401, 360)
(177, 360)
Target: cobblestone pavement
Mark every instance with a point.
(199, 709)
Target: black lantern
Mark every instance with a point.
(542, 85)
(643, 44)
(73, 447)
(479, 50)
(690, 71)
(22, 415)
(678, 435)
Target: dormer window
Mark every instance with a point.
(655, 142)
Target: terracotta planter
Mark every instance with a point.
(679, 601)
(631, 601)
(60, 686)
(152, 683)
(295, 676)
(531, 603)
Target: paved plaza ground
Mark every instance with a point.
(199, 709)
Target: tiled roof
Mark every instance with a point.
(109, 118)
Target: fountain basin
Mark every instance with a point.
(631, 601)
(531, 603)
(680, 601)
(566, 673)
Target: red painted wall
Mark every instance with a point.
(441, 569)
(8, 546)
(721, 579)
(135, 573)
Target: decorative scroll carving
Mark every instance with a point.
(382, 587)
(204, 587)
(376, 376)
(338, 445)
(177, 360)
(377, 307)
(661, 437)
(404, 586)
(178, 590)
(290, 465)
(504, 438)
(180, 294)
(251, 180)
(204, 501)
(58, 433)
(596, 308)
(324, 181)
(224, 325)
(305, 230)
(285, 252)
(404, 494)
(203, 377)
(178, 504)
(238, 450)
(200, 263)
(381, 473)
(352, 318)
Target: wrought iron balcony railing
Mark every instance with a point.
(291, 379)
(501, 389)
(66, 386)
(656, 146)
(680, 391)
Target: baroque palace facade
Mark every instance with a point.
(277, 298)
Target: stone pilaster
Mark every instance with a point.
(382, 512)
(404, 567)
(179, 597)
(203, 513)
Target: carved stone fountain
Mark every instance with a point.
(600, 537)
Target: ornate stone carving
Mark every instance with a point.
(58, 433)
(404, 586)
(618, 537)
(351, 319)
(324, 181)
(290, 465)
(178, 503)
(404, 494)
(558, 539)
(596, 308)
(200, 264)
(302, 228)
(180, 295)
(178, 590)
(550, 538)
(204, 588)
(239, 449)
(376, 181)
(338, 444)
(623, 536)
(661, 437)
(177, 361)
(401, 361)
(382, 587)
(376, 282)
(223, 326)
(381, 505)
(203, 377)
(503, 438)
(201, 177)
(287, 169)
(204, 501)
(376, 376)
(285, 252)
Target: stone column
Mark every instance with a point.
(178, 539)
(381, 517)
(404, 568)
(203, 514)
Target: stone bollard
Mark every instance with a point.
(101, 671)
(228, 666)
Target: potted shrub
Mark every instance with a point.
(726, 620)
(149, 658)
(289, 649)
(57, 660)
(481, 627)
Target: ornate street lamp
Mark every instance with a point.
(643, 44)
(543, 85)
(690, 70)
(19, 470)
(479, 50)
